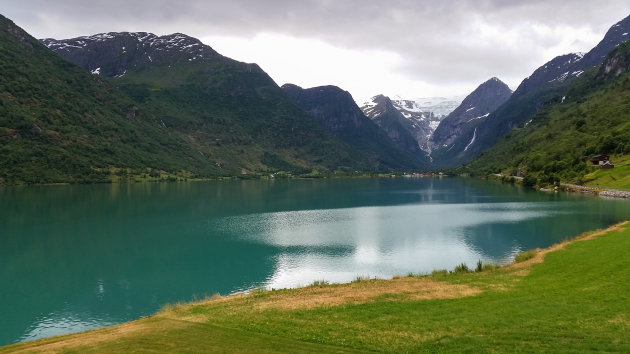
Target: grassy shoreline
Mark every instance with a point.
(571, 297)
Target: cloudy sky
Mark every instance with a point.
(418, 48)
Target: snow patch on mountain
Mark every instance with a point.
(136, 42)
(480, 117)
(440, 107)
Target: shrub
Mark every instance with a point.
(530, 180)
(489, 267)
(257, 290)
(439, 272)
(320, 283)
(361, 278)
(523, 256)
(462, 268)
(416, 275)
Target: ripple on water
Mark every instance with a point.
(54, 324)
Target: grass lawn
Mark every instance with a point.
(574, 297)
(615, 178)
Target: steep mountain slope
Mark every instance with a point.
(338, 113)
(423, 114)
(546, 82)
(230, 111)
(383, 112)
(476, 107)
(59, 123)
(590, 116)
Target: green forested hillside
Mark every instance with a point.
(59, 123)
(236, 113)
(592, 116)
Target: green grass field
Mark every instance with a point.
(572, 298)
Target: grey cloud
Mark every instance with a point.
(436, 38)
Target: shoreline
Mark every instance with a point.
(319, 295)
(576, 188)
(601, 192)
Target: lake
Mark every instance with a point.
(80, 257)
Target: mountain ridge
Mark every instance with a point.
(190, 113)
(337, 111)
(589, 117)
(399, 129)
(476, 107)
(532, 94)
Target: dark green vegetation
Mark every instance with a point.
(524, 256)
(575, 301)
(58, 123)
(174, 118)
(591, 116)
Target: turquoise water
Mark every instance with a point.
(79, 257)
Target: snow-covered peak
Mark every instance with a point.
(440, 107)
(138, 42)
(420, 116)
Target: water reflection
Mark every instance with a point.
(79, 257)
(65, 322)
(387, 240)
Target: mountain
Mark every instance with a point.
(618, 33)
(381, 110)
(476, 107)
(337, 111)
(152, 107)
(532, 95)
(588, 117)
(59, 123)
(231, 112)
(423, 114)
(113, 54)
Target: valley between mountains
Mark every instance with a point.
(132, 106)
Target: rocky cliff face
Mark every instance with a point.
(473, 110)
(616, 63)
(333, 107)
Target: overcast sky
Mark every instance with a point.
(419, 48)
